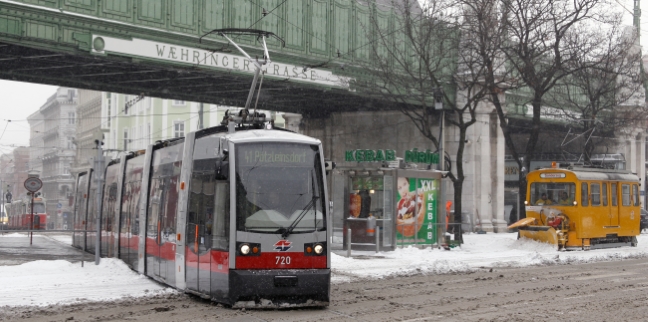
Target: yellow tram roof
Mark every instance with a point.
(592, 174)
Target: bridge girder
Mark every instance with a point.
(55, 42)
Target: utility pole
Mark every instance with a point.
(98, 175)
(3, 209)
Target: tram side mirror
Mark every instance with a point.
(222, 170)
(328, 166)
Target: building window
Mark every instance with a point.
(71, 117)
(125, 139)
(70, 142)
(178, 129)
(126, 105)
(178, 103)
(141, 136)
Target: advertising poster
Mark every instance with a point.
(416, 211)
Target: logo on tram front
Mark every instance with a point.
(283, 245)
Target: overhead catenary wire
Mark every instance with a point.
(5, 128)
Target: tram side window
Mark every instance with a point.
(596, 194)
(625, 191)
(605, 195)
(635, 194)
(220, 229)
(584, 195)
(615, 196)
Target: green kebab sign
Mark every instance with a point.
(411, 156)
(369, 155)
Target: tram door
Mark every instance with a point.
(129, 221)
(161, 214)
(614, 204)
(199, 224)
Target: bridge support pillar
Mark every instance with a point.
(293, 122)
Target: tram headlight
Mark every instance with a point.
(248, 249)
(245, 249)
(314, 249)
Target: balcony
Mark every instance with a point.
(50, 133)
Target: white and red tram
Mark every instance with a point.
(237, 214)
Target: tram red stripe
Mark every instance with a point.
(165, 251)
(208, 261)
(280, 260)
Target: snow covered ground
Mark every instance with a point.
(42, 283)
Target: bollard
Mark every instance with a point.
(377, 239)
(349, 242)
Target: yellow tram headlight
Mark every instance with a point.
(319, 249)
(575, 203)
(245, 249)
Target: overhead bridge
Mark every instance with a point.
(166, 48)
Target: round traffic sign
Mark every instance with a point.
(33, 184)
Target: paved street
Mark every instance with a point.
(16, 250)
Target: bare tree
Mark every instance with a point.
(427, 50)
(603, 96)
(537, 57)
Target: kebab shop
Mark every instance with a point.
(383, 202)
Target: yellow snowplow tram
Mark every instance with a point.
(581, 208)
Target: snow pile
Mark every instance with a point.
(43, 283)
(478, 251)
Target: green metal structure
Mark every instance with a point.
(164, 48)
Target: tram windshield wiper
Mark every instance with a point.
(287, 231)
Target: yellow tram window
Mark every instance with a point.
(614, 194)
(635, 194)
(605, 195)
(584, 196)
(596, 194)
(552, 193)
(625, 190)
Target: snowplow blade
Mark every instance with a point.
(543, 234)
(521, 223)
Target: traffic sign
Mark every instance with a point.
(59, 205)
(33, 184)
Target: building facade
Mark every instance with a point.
(89, 124)
(59, 154)
(36, 144)
(130, 122)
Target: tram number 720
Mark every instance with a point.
(282, 260)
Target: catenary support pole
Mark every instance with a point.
(31, 222)
(98, 174)
(441, 217)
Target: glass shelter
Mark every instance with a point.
(401, 203)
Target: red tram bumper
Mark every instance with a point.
(279, 288)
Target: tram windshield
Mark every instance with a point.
(550, 193)
(279, 188)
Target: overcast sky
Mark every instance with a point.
(19, 100)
